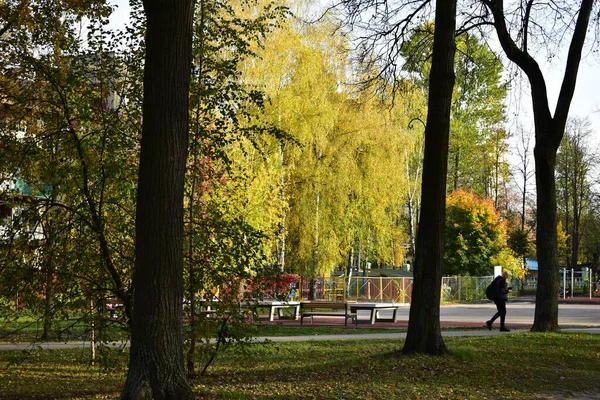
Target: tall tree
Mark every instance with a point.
(156, 364)
(381, 38)
(524, 172)
(549, 129)
(477, 143)
(475, 234)
(573, 165)
(590, 241)
(424, 333)
(68, 141)
(226, 218)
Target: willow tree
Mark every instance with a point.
(549, 128)
(299, 73)
(343, 200)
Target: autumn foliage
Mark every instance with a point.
(475, 234)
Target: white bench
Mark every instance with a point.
(275, 305)
(374, 309)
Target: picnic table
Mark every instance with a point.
(374, 310)
(314, 309)
(349, 310)
(276, 305)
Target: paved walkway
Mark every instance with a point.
(520, 315)
(402, 335)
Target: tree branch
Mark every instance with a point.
(567, 88)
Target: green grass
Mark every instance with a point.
(29, 328)
(290, 330)
(517, 366)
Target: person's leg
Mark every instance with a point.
(502, 312)
(498, 313)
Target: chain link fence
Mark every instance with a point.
(465, 289)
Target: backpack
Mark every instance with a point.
(492, 290)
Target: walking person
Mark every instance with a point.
(500, 298)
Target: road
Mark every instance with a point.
(521, 314)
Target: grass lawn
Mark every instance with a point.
(287, 330)
(518, 366)
(29, 328)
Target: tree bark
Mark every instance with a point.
(424, 333)
(546, 307)
(156, 365)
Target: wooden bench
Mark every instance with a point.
(325, 309)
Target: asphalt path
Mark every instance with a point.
(521, 314)
(571, 318)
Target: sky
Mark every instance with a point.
(586, 100)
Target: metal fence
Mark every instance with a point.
(465, 289)
(455, 289)
(357, 288)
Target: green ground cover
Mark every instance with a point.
(290, 330)
(29, 330)
(517, 366)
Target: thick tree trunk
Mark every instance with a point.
(156, 365)
(546, 305)
(424, 333)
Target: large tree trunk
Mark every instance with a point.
(546, 305)
(424, 333)
(156, 365)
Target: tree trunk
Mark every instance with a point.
(424, 333)
(283, 215)
(546, 304)
(579, 176)
(456, 166)
(192, 289)
(567, 226)
(49, 269)
(156, 364)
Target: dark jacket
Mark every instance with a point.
(501, 289)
